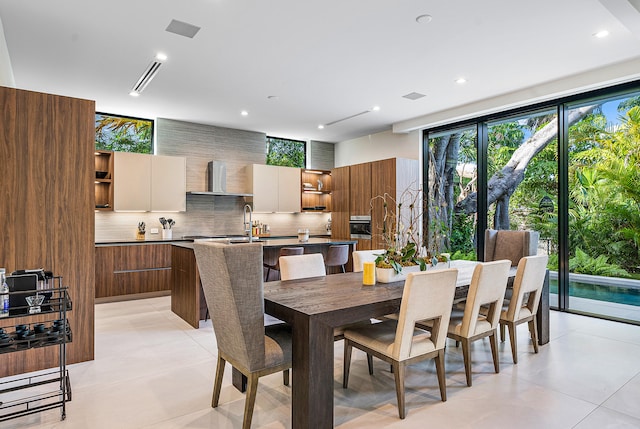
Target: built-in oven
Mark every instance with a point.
(360, 227)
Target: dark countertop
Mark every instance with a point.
(281, 242)
(190, 238)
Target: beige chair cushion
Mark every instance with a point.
(302, 266)
(362, 256)
(427, 295)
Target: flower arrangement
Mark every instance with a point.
(400, 230)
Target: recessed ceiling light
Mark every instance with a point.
(601, 34)
(244, 113)
(461, 80)
(375, 108)
(424, 19)
(134, 94)
(321, 127)
(161, 57)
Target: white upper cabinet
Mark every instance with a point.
(149, 183)
(168, 183)
(275, 189)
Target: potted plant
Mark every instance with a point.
(401, 234)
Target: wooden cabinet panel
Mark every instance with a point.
(383, 175)
(359, 189)
(47, 143)
(340, 202)
(275, 189)
(187, 297)
(124, 270)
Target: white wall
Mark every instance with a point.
(378, 146)
(6, 71)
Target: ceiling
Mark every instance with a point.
(293, 65)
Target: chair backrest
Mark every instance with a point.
(362, 256)
(529, 279)
(286, 251)
(302, 266)
(427, 295)
(488, 285)
(337, 254)
(231, 277)
(509, 244)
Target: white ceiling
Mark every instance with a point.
(324, 60)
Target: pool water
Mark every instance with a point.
(619, 295)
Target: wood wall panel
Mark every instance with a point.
(383, 181)
(360, 186)
(340, 203)
(47, 145)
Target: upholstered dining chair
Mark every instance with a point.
(510, 244)
(337, 256)
(427, 295)
(231, 277)
(362, 256)
(312, 265)
(302, 266)
(522, 308)
(488, 284)
(272, 264)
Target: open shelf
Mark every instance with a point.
(316, 188)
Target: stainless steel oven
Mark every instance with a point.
(360, 227)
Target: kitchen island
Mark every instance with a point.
(187, 297)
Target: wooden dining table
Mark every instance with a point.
(314, 307)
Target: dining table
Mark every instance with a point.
(315, 306)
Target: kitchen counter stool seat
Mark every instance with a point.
(337, 256)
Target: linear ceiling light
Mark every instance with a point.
(149, 73)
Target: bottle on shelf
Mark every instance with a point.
(4, 294)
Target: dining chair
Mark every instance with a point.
(488, 284)
(523, 306)
(302, 266)
(232, 282)
(272, 263)
(362, 256)
(337, 256)
(510, 244)
(427, 295)
(312, 265)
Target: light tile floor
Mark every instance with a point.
(152, 370)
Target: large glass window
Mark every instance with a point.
(286, 152)
(604, 207)
(123, 133)
(452, 185)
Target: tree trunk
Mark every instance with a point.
(503, 183)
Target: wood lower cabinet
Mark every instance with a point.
(187, 296)
(132, 269)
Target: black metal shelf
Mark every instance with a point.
(42, 391)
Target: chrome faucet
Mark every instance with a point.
(248, 226)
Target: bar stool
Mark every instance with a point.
(275, 264)
(337, 256)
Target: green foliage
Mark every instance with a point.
(285, 152)
(584, 264)
(462, 233)
(466, 256)
(123, 134)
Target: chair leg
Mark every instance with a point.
(467, 360)
(514, 342)
(346, 364)
(370, 363)
(440, 372)
(250, 400)
(398, 373)
(493, 340)
(217, 384)
(533, 328)
(285, 377)
(266, 278)
(342, 266)
(502, 336)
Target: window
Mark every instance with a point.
(286, 152)
(123, 133)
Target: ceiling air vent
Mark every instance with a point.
(182, 28)
(413, 96)
(146, 77)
